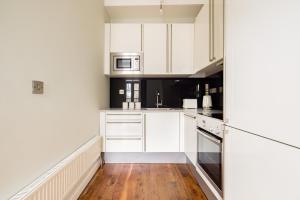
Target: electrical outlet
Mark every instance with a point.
(121, 92)
(37, 87)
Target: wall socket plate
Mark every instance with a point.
(121, 91)
(37, 87)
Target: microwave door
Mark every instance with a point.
(123, 64)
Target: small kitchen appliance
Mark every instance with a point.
(190, 103)
(126, 63)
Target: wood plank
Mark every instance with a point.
(143, 182)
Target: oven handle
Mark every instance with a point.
(209, 137)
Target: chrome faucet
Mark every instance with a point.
(157, 100)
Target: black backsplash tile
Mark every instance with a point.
(172, 90)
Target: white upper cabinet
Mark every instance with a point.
(155, 48)
(218, 33)
(162, 131)
(202, 42)
(126, 38)
(209, 35)
(182, 48)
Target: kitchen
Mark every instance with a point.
(163, 99)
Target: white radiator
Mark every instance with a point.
(58, 182)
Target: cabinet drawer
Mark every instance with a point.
(120, 129)
(124, 145)
(134, 117)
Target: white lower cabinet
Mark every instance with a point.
(124, 132)
(124, 144)
(140, 132)
(190, 138)
(162, 131)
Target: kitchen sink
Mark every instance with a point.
(158, 108)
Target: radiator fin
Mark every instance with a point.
(60, 180)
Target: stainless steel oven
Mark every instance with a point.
(126, 63)
(210, 150)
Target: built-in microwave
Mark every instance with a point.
(126, 63)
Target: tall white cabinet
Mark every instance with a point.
(155, 48)
(126, 37)
(262, 68)
(182, 48)
(262, 155)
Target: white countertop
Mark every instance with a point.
(191, 112)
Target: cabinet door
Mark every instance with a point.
(155, 48)
(124, 144)
(260, 169)
(190, 138)
(218, 32)
(202, 42)
(182, 48)
(126, 38)
(209, 41)
(162, 131)
(262, 69)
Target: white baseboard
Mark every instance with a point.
(145, 157)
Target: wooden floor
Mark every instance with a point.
(143, 182)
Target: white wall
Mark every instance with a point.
(59, 42)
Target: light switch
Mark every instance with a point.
(37, 87)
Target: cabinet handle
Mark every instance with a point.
(171, 49)
(167, 49)
(142, 37)
(211, 31)
(117, 114)
(124, 122)
(123, 138)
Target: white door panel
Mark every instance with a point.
(260, 169)
(162, 131)
(124, 145)
(126, 38)
(262, 67)
(155, 48)
(182, 48)
(190, 138)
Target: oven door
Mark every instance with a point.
(209, 157)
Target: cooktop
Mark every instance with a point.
(218, 114)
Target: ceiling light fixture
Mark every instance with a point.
(161, 10)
